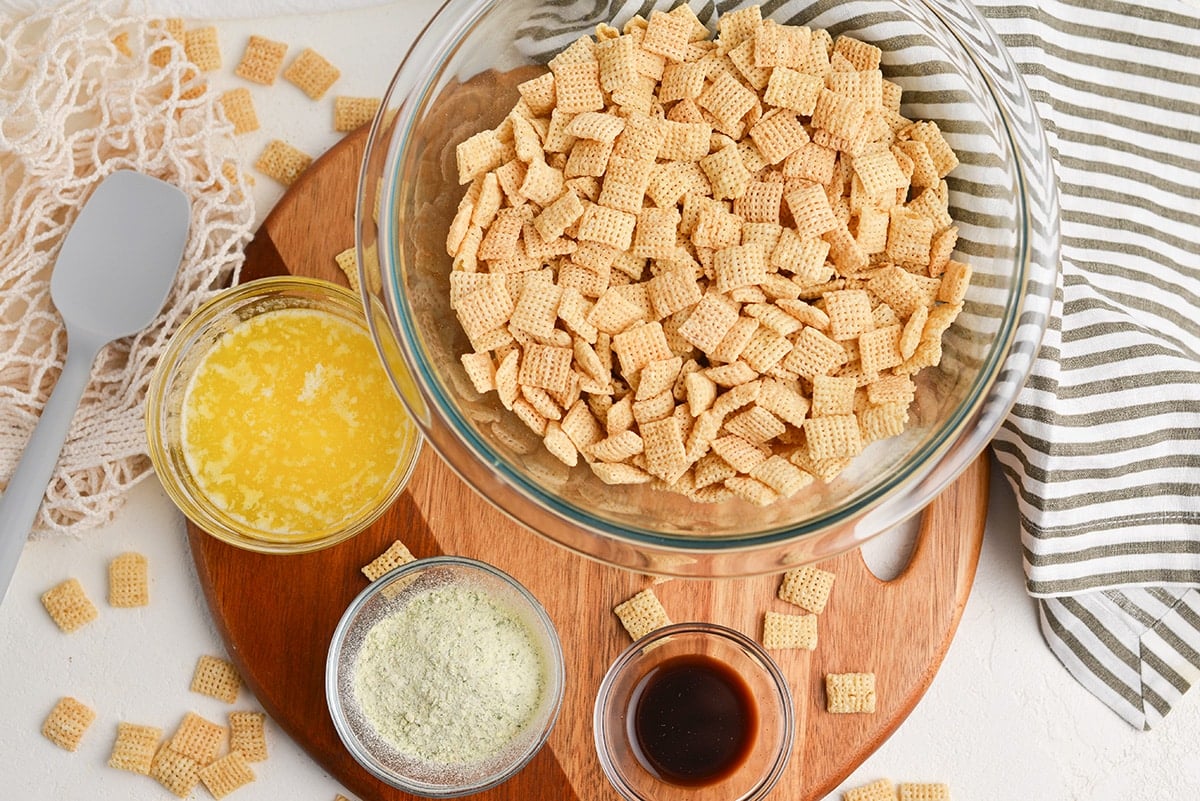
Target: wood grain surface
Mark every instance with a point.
(276, 613)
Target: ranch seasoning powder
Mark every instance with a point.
(451, 677)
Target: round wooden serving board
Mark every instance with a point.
(277, 613)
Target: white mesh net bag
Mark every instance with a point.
(86, 90)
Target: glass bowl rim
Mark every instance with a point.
(195, 506)
(879, 498)
(640, 647)
(336, 706)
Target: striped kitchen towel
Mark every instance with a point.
(1103, 446)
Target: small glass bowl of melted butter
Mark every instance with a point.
(271, 421)
(694, 711)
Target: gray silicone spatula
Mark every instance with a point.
(114, 270)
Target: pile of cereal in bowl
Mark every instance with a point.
(712, 265)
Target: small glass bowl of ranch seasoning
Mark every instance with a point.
(444, 677)
(694, 711)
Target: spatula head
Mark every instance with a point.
(120, 257)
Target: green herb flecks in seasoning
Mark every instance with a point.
(451, 677)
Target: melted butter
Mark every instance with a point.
(290, 425)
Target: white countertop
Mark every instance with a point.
(1002, 720)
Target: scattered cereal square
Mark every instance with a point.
(216, 678)
(861, 55)
(607, 226)
(177, 772)
(351, 113)
(898, 288)
(743, 455)
(744, 58)
(642, 614)
(667, 35)
(734, 27)
(135, 747)
(128, 584)
(397, 554)
(239, 109)
(726, 172)
(197, 739)
(312, 73)
(663, 442)
(879, 172)
(683, 140)
(807, 587)
(577, 87)
(761, 203)
(878, 790)
(850, 692)
(832, 395)
(879, 349)
(191, 84)
(174, 29)
(778, 136)
(810, 210)
(789, 631)
(849, 313)
(538, 93)
(681, 81)
(639, 345)
(838, 114)
(727, 99)
(547, 367)
(536, 309)
(477, 154)
(793, 90)
(909, 238)
(283, 162)
(619, 473)
(781, 475)
(580, 50)
(202, 48)
(500, 242)
(69, 605)
(625, 183)
(588, 158)
(923, 791)
(943, 155)
(955, 280)
(739, 266)
(347, 262)
(226, 774)
(617, 61)
(261, 60)
(67, 722)
(560, 445)
(880, 422)
(597, 126)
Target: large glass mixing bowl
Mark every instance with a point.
(460, 77)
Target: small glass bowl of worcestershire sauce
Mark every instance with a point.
(694, 711)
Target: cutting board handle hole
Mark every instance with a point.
(888, 554)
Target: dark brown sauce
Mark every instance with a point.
(694, 720)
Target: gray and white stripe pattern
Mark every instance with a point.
(1103, 446)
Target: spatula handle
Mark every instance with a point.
(23, 497)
